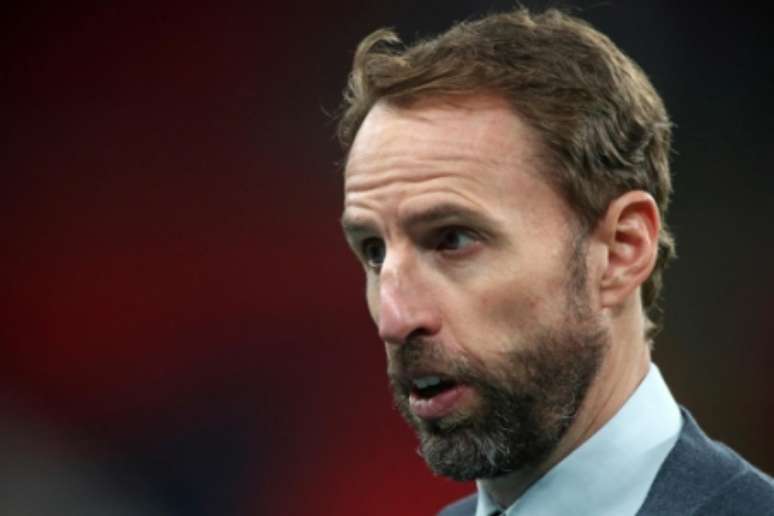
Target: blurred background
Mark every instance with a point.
(182, 328)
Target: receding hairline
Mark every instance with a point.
(540, 157)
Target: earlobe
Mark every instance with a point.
(630, 229)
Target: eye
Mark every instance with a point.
(453, 239)
(373, 252)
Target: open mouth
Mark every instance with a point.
(427, 387)
(435, 397)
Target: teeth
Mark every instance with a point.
(426, 381)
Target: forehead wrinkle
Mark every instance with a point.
(391, 182)
(375, 173)
(395, 199)
(443, 200)
(367, 218)
(377, 168)
(364, 210)
(371, 195)
(480, 158)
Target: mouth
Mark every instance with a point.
(426, 387)
(434, 397)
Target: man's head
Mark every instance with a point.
(503, 190)
(603, 127)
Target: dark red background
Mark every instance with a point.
(179, 310)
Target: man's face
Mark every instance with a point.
(475, 279)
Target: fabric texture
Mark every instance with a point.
(699, 477)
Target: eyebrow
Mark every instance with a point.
(353, 227)
(450, 212)
(447, 212)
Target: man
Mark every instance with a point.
(506, 186)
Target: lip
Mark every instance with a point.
(405, 378)
(440, 405)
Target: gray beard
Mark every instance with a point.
(526, 406)
(528, 401)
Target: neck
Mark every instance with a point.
(624, 367)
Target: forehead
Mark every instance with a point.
(473, 148)
(478, 128)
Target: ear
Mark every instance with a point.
(629, 230)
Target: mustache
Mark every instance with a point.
(420, 356)
(416, 354)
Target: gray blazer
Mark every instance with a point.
(698, 477)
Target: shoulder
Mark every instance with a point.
(462, 507)
(751, 492)
(702, 476)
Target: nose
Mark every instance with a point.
(407, 307)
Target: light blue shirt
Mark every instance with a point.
(609, 474)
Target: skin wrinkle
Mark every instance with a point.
(391, 183)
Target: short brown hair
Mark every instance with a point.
(603, 124)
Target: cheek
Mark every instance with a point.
(508, 315)
(512, 311)
(510, 292)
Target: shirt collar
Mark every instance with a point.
(612, 471)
